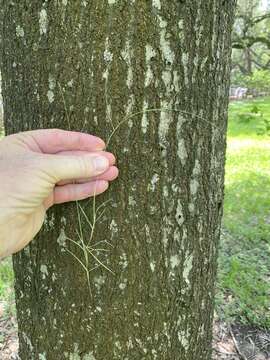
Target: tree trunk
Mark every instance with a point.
(87, 65)
(248, 58)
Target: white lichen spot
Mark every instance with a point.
(175, 187)
(156, 4)
(131, 201)
(197, 168)
(112, 2)
(44, 271)
(107, 55)
(105, 74)
(19, 31)
(153, 209)
(165, 237)
(96, 120)
(144, 118)
(50, 96)
(127, 55)
(43, 22)
(42, 356)
(129, 77)
(26, 251)
(51, 82)
(167, 79)
(187, 268)
(49, 222)
(64, 2)
(154, 181)
(175, 261)
(191, 208)
(148, 76)
(177, 236)
(179, 214)
(129, 107)
(162, 23)
(181, 151)
(123, 285)
(152, 266)
(123, 261)
(113, 227)
(165, 45)
(149, 54)
(185, 60)
(76, 355)
(99, 281)
(130, 344)
(61, 240)
(165, 121)
(176, 81)
(182, 337)
(70, 83)
(180, 122)
(165, 191)
(194, 185)
(118, 345)
(181, 24)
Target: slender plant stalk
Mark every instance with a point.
(127, 118)
(97, 213)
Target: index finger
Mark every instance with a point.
(51, 141)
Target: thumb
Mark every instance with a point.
(62, 167)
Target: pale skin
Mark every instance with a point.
(41, 168)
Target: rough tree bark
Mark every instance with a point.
(87, 65)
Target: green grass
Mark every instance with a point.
(244, 262)
(6, 286)
(240, 129)
(6, 278)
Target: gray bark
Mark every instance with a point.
(87, 65)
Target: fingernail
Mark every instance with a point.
(101, 163)
(100, 144)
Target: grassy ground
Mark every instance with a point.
(244, 264)
(7, 301)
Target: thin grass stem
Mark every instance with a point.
(101, 263)
(152, 110)
(86, 217)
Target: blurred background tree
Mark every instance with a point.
(251, 45)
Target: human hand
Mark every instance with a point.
(41, 168)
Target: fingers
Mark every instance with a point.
(73, 192)
(108, 155)
(109, 175)
(60, 167)
(51, 141)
